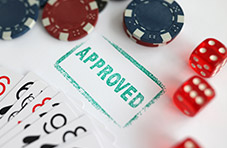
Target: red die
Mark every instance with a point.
(187, 143)
(193, 95)
(208, 58)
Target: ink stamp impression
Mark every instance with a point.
(110, 79)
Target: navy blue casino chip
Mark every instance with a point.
(17, 17)
(154, 21)
(42, 3)
(101, 4)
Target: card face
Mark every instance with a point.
(71, 131)
(30, 95)
(37, 115)
(122, 85)
(8, 79)
(51, 122)
(85, 141)
(16, 93)
(38, 102)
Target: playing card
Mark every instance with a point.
(106, 137)
(38, 114)
(71, 131)
(31, 112)
(16, 93)
(52, 121)
(39, 101)
(26, 98)
(88, 140)
(8, 79)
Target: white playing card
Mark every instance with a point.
(17, 92)
(38, 114)
(26, 98)
(40, 100)
(35, 115)
(71, 131)
(85, 141)
(106, 137)
(52, 121)
(8, 79)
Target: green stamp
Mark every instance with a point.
(110, 79)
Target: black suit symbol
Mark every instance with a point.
(48, 146)
(29, 139)
(5, 110)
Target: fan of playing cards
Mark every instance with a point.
(33, 114)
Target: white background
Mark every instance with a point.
(162, 125)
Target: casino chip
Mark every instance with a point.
(153, 22)
(70, 20)
(140, 42)
(101, 4)
(17, 17)
(42, 3)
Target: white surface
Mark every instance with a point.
(110, 101)
(162, 125)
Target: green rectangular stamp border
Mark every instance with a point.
(92, 100)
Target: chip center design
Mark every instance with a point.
(15, 13)
(65, 17)
(153, 16)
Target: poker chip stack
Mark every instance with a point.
(149, 23)
(34, 114)
(66, 20)
(70, 20)
(153, 22)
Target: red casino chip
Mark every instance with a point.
(70, 20)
